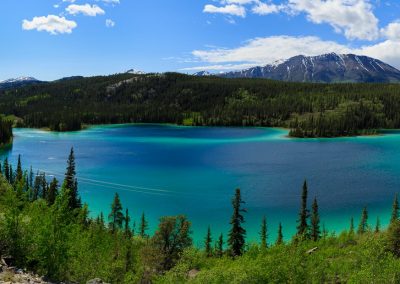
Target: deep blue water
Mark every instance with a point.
(168, 170)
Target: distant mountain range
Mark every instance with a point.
(18, 82)
(327, 68)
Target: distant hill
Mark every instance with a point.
(327, 68)
(18, 82)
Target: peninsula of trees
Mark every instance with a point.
(45, 228)
(309, 110)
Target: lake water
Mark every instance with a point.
(169, 170)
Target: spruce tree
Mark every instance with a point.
(207, 243)
(143, 226)
(70, 182)
(303, 228)
(11, 174)
(31, 176)
(237, 233)
(6, 170)
(219, 247)
(116, 217)
(351, 230)
(264, 233)
(279, 239)
(363, 226)
(44, 186)
(378, 225)
(315, 229)
(395, 210)
(52, 192)
(19, 174)
(127, 219)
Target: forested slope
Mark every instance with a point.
(309, 110)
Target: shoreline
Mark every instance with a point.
(380, 132)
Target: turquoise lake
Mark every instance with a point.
(169, 170)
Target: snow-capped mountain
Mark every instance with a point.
(135, 72)
(327, 68)
(18, 82)
(202, 73)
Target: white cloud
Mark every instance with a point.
(268, 49)
(354, 18)
(110, 23)
(231, 9)
(262, 8)
(392, 31)
(51, 23)
(110, 1)
(87, 10)
(262, 51)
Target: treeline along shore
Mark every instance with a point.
(307, 109)
(45, 228)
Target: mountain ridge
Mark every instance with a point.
(325, 68)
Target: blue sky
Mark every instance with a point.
(50, 39)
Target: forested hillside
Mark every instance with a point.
(6, 133)
(309, 110)
(45, 228)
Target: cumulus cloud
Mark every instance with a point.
(86, 9)
(110, 23)
(262, 8)
(354, 18)
(231, 9)
(110, 1)
(262, 51)
(392, 31)
(51, 23)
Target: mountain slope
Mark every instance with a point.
(327, 68)
(18, 82)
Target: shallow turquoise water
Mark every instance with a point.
(168, 170)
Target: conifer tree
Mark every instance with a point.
(351, 230)
(31, 176)
(264, 233)
(303, 228)
(143, 226)
(70, 182)
(219, 246)
(127, 220)
(19, 173)
(378, 225)
(315, 229)
(52, 192)
(116, 217)
(237, 233)
(44, 186)
(6, 170)
(363, 226)
(11, 174)
(395, 210)
(207, 242)
(279, 239)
